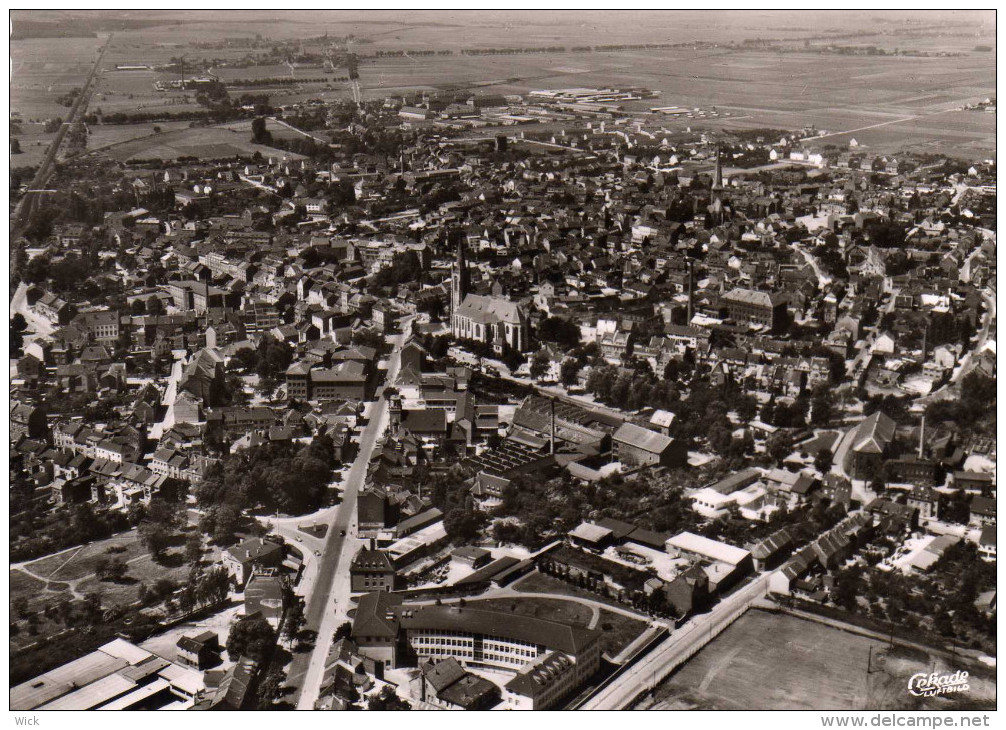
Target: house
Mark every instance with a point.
(983, 512)
(925, 500)
(371, 570)
(768, 552)
(28, 421)
(240, 559)
(636, 446)
(446, 684)
(201, 651)
(972, 481)
(987, 543)
(793, 487)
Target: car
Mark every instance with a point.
(342, 532)
(318, 553)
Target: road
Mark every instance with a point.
(328, 599)
(23, 210)
(678, 647)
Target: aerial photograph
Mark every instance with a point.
(503, 360)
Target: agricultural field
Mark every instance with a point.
(206, 143)
(43, 70)
(100, 136)
(768, 661)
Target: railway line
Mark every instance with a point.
(27, 205)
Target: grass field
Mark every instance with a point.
(769, 661)
(201, 142)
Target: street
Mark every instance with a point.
(328, 592)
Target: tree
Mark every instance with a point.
(253, 638)
(540, 364)
(269, 689)
(295, 619)
(462, 525)
(562, 332)
(386, 699)
(15, 146)
(113, 570)
(823, 459)
(569, 372)
(193, 548)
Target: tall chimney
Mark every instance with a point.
(691, 296)
(922, 438)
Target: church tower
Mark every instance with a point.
(716, 205)
(459, 277)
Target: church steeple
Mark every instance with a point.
(718, 175)
(459, 277)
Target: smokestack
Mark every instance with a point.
(373, 544)
(922, 438)
(691, 296)
(551, 433)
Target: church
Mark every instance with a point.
(492, 319)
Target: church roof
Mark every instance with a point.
(490, 310)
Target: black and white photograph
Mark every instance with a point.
(495, 359)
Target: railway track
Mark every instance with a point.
(27, 205)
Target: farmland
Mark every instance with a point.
(886, 103)
(202, 142)
(805, 666)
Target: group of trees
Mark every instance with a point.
(35, 530)
(280, 477)
(405, 267)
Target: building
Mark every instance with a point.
(983, 512)
(637, 446)
(28, 421)
(756, 307)
(868, 447)
(494, 320)
(201, 651)
(926, 501)
(987, 543)
(550, 659)
(264, 595)
(241, 558)
(371, 570)
(116, 676)
(446, 684)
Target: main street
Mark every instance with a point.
(679, 646)
(328, 593)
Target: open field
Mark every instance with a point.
(204, 143)
(886, 103)
(106, 135)
(42, 70)
(768, 661)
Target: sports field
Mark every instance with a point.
(768, 661)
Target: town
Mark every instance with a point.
(466, 400)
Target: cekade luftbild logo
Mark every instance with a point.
(930, 685)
